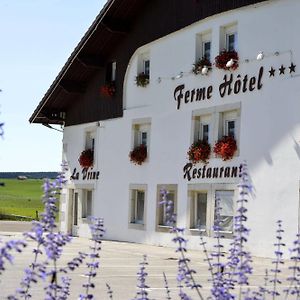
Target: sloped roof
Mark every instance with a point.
(112, 23)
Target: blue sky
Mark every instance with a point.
(37, 37)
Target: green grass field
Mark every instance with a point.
(21, 197)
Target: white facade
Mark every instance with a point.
(267, 133)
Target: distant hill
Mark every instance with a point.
(29, 175)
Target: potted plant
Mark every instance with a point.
(227, 60)
(138, 155)
(225, 147)
(108, 89)
(202, 66)
(199, 151)
(142, 79)
(86, 158)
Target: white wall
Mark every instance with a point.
(269, 138)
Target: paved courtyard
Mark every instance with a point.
(119, 265)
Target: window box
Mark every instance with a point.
(109, 89)
(227, 60)
(139, 154)
(142, 79)
(226, 147)
(199, 152)
(202, 66)
(86, 158)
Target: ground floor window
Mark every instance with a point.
(87, 198)
(203, 199)
(199, 210)
(226, 202)
(163, 211)
(137, 204)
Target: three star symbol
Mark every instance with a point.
(272, 71)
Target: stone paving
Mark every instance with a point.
(119, 265)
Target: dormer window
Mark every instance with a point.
(206, 45)
(203, 46)
(146, 65)
(231, 41)
(229, 37)
(111, 71)
(143, 70)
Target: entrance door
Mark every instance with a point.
(75, 214)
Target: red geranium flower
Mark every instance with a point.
(224, 57)
(86, 158)
(199, 151)
(138, 155)
(226, 147)
(109, 89)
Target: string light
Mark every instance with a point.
(204, 71)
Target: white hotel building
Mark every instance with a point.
(258, 104)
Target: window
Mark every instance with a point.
(141, 133)
(231, 41)
(202, 201)
(87, 203)
(146, 67)
(144, 63)
(206, 49)
(137, 206)
(226, 203)
(203, 45)
(212, 124)
(229, 123)
(202, 128)
(90, 140)
(111, 71)
(229, 37)
(164, 210)
(198, 210)
(143, 137)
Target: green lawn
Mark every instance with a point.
(21, 197)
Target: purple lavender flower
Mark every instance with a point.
(142, 293)
(1, 129)
(278, 261)
(294, 279)
(220, 288)
(109, 291)
(167, 287)
(97, 231)
(239, 259)
(48, 241)
(185, 273)
(64, 291)
(5, 255)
